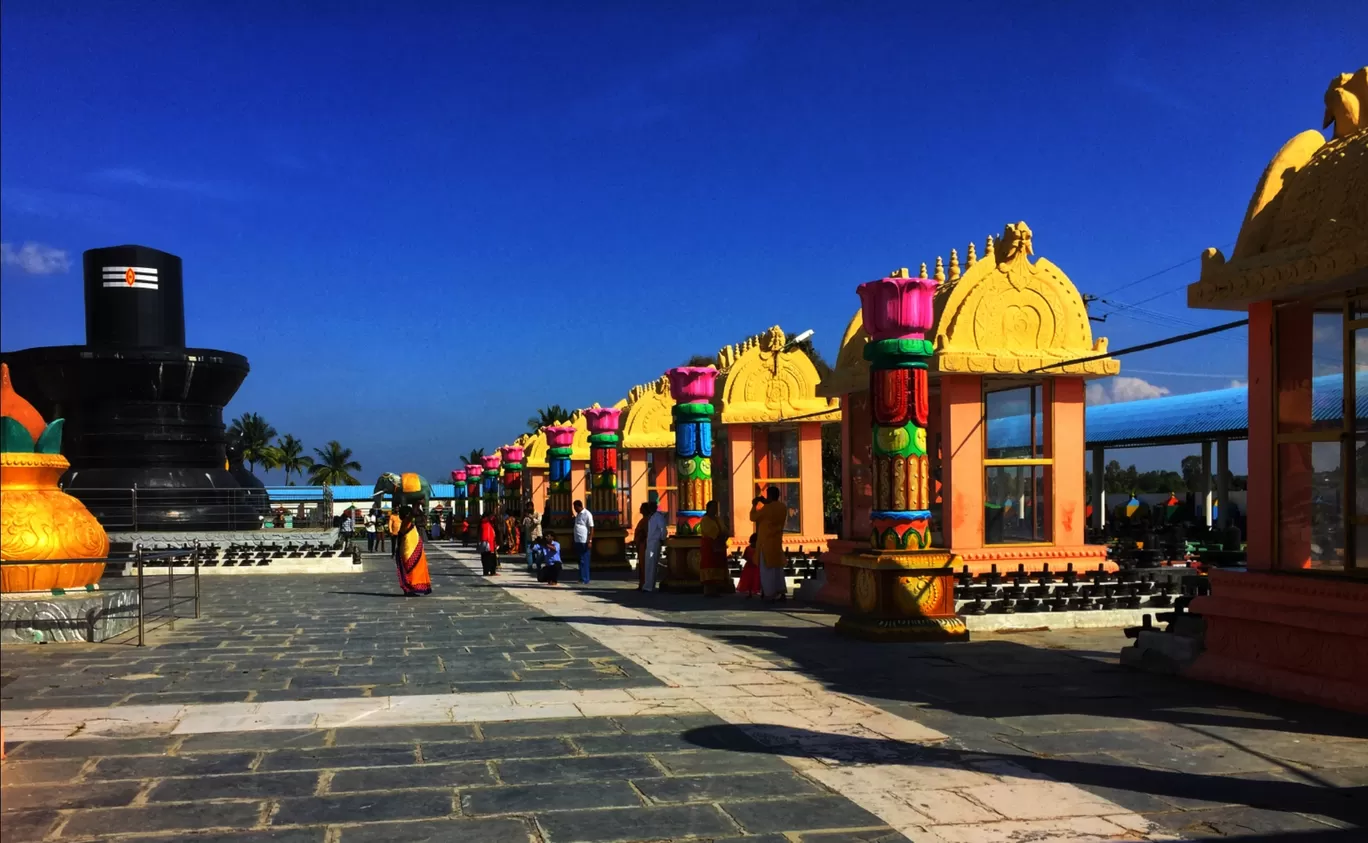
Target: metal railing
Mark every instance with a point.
(133, 509)
(154, 610)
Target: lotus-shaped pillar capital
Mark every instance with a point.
(512, 453)
(898, 308)
(603, 419)
(692, 384)
(559, 435)
(473, 471)
(458, 476)
(491, 462)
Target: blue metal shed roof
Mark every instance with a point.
(1183, 418)
(345, 494)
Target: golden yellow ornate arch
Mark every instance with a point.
(1307, 223)
(1003, 314)
(763, 382)
(534, 449)
(647, 422)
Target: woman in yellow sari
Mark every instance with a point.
(770, 515)
(411, 558)
(712, 567)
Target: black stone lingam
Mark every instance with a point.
(144, 414)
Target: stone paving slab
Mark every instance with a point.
(770, 729)
(307, 785)
(309, 638)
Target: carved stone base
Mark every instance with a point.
(76, 616)
(902, 596)
(1298, 636)
(609, 552)
(683, 558)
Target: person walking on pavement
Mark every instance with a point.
(489, 547)
(582, 539)
(656, 529)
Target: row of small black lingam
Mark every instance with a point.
(801, 563)
(1063, 591)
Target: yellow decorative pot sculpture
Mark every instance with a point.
(38, 520)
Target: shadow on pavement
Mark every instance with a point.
(1347, 805)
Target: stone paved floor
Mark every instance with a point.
(324, 709)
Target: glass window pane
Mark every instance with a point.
(1311, 506)
(1360, 379)
(1016, 505)
(782, 447)
(1311, 367)
(1014, 423)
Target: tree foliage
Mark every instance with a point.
(548, 415)
(334, 466)
(473, 458)
(292, 458)
(252, 435)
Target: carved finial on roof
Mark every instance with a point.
(940, 269)
(954, 265)
(900, 273)
(1016, 241)
(988, 249)
(1346, 103)
(972, 257)
(922, 272)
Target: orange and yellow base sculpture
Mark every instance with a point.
(37, 519)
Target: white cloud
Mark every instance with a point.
(35, 258)
(1235, 382)
(1119, 389)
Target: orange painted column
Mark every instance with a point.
(740, 466)
(857, 481)
(536, 480)
(579, 470)
(1294, 470)
(1260, 506)
(811, 512)
(1065, 446)
(962, 460)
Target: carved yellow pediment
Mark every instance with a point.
(762, 382)
(1306, 228)
(1003, 314)
(646, 424)
(534, 449)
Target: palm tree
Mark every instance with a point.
(473, 458)
(550, 414)
(270, 457)
(252, 434)
(334, 466)
(292, 457)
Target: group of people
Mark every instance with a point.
(763, 571)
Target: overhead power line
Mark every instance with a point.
(1144, 346)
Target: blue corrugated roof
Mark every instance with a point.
(345, 494)
(1183, 418)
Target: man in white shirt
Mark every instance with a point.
(656, 528)
(581, 539)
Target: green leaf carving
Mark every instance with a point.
(51, 440)
(14, 437)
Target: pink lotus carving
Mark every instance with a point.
(473, 471)
(692, 384)
(603, 419)
(512, 453)
(458, 476)
(560, 435)
(898, 308)
(491, 462)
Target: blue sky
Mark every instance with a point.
(487, 207)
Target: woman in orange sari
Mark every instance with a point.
(712, 567)
(411, 558)
(750, 572)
